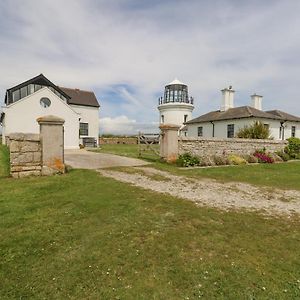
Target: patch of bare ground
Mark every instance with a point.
(209, 192)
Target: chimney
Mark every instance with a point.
(256, 101)
(227, 98)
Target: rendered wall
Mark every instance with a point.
(21, 116)
(89, 115)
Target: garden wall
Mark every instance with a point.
(118, 140)
(211, 147)
(25, 155)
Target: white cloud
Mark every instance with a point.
(123, 125)
(252, 45)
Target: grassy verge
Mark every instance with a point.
(282, 175)
(4, 161)
(83, 236)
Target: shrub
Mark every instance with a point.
(256, 131)
(207, 161)
(275, 157)
(236, 160)
(293, 147)
(187, 160)
(252, 159)
(263, 157)
(285, 156)
(220, 160)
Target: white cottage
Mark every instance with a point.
(227, 121)
(38, 97)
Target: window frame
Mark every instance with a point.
(82, 131)
(293, 131)
(200, 131)
(230, 131)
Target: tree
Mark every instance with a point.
(256, 131)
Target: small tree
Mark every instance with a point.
(256, 131)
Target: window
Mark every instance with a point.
(162, 118)
(83, 129)
(185, 118)
(16, 95)
(24, 91)
(230, 130)
(293, 131)
(37, 87)
(200, 131)
(45, 102)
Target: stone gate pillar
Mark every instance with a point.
(52, 141)
(169, 142)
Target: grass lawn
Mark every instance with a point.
(283, 175)
(4, 161)
(83, 236)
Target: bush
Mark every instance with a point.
(187, 160)
(252, 159)
(207, 161)
(256, 131)
(220, 160)
(264, 158)
(293, 147)
(236, 160)
(283, 155)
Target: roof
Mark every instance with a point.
(81, 97)
(176, 81)
(284, 116)
(39, 79)
(234, 113)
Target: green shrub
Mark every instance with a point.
(187, 160)
(236, 160)
(293, 147)
(256, 131)
(285, 156)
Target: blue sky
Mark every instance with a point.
(127, 50)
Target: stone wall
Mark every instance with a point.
(210, 147)
(118, 140)
(25, 155)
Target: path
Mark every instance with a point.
(83, 159)
(212, 193)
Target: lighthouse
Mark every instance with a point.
(175, 107)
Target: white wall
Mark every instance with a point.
(21, 116)
(89, 115)
(174, 112)
(221, 127)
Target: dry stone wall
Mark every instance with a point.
(25, 155)
(211, 147)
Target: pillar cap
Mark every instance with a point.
(169, 127)
(50, 119)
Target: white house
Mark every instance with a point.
(228, 120)
(37, 97)
(175, 107)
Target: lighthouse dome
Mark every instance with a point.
(176, 81)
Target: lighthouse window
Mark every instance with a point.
(162, 118)
(185, 118)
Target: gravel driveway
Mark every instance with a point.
(209, 192)
(82, 159)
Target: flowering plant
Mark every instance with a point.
(263, 157)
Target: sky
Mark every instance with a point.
(127, 50)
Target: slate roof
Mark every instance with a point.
(234, 113)
(81, 97)
(284, 116)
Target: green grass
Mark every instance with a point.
(4, 161)
(129, 151)
(83, 236)
(281, 175)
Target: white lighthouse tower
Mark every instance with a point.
(175, 107)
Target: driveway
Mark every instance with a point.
(82, 159)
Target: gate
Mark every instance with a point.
(148, 143)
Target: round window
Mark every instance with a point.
(45, 102)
